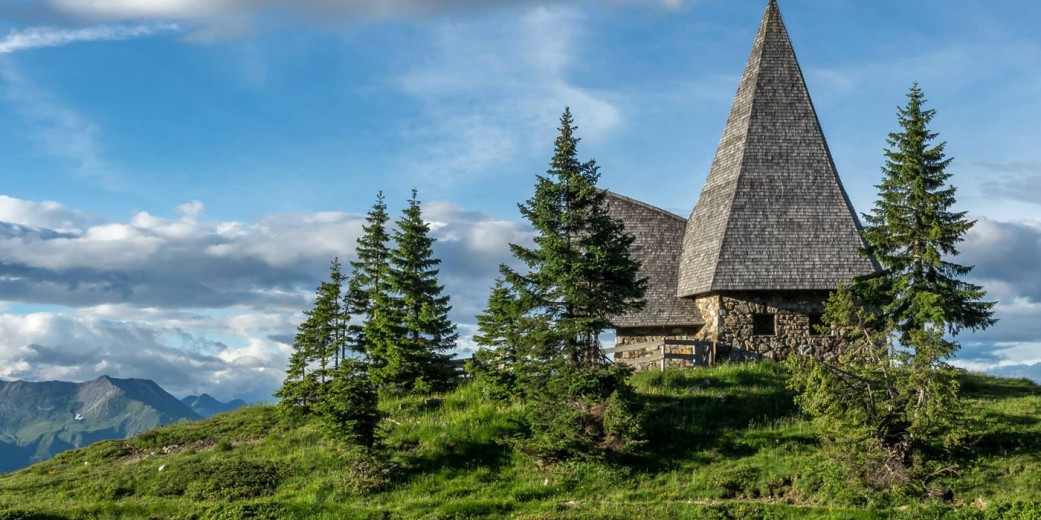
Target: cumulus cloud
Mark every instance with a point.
(162, 262)
(471, 246)
(52, 255)
(195, 304)
(69, 347)
(211, 306)
(1005, 258)
(46, 214)
(40, 37)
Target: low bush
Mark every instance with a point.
(221, 480)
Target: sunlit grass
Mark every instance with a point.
(725, 442)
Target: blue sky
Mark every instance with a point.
(178, 173)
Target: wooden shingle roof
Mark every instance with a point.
(772, 214)
(659, 236)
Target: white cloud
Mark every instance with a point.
(46, 214)
(40, 37)
(197, 305)
(210, 306)
(129, 9)
(72, 347)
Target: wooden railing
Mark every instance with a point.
(702, 352)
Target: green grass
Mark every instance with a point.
(725, 442)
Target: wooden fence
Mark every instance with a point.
(702, 352)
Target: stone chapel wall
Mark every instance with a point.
(729, 322)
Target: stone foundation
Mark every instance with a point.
(729, 324)
(729, 329)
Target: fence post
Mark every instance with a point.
(662, 347)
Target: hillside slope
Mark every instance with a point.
(725, 442)
(38, 420)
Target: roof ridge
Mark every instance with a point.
(760, 46)
(642, 203)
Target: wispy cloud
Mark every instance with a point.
(313, 9)
(60, 130)
(41, 37)
(493, 90)
(1017, 181)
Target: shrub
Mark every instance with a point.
(367, 473)
(348, 409)
(221, 480)
(741, 482)
(581, 414)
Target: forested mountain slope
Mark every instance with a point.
(38, 420)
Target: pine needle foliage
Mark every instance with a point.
(367, 293)
(348, 409)
(580, 272)
(320, 345)
(325, 379)
(913, 232)
(544, 323)
(412, 353)
(890, 401)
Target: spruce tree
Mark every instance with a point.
(369, 286)
(413, 353)
(320, 341)
(501, 327)
(890, 396)
(579, 274)
(913, 233)
(348, 410)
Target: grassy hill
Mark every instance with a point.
(724, 442)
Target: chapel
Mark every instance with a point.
(772, 233)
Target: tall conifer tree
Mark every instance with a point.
(913, 233)
(414, 355)
(320, 342)
(890, 394)
(579, 274)
(367, 293)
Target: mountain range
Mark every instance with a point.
(40, 420)
(206, 406)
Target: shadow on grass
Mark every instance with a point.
(463, 455)
(717, 409)
(1001, 434)
(19, 514)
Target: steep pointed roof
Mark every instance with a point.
(773, 214)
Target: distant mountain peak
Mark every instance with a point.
(208, 406)
(40, 419)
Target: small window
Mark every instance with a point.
(816, 322)
(763, 324)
